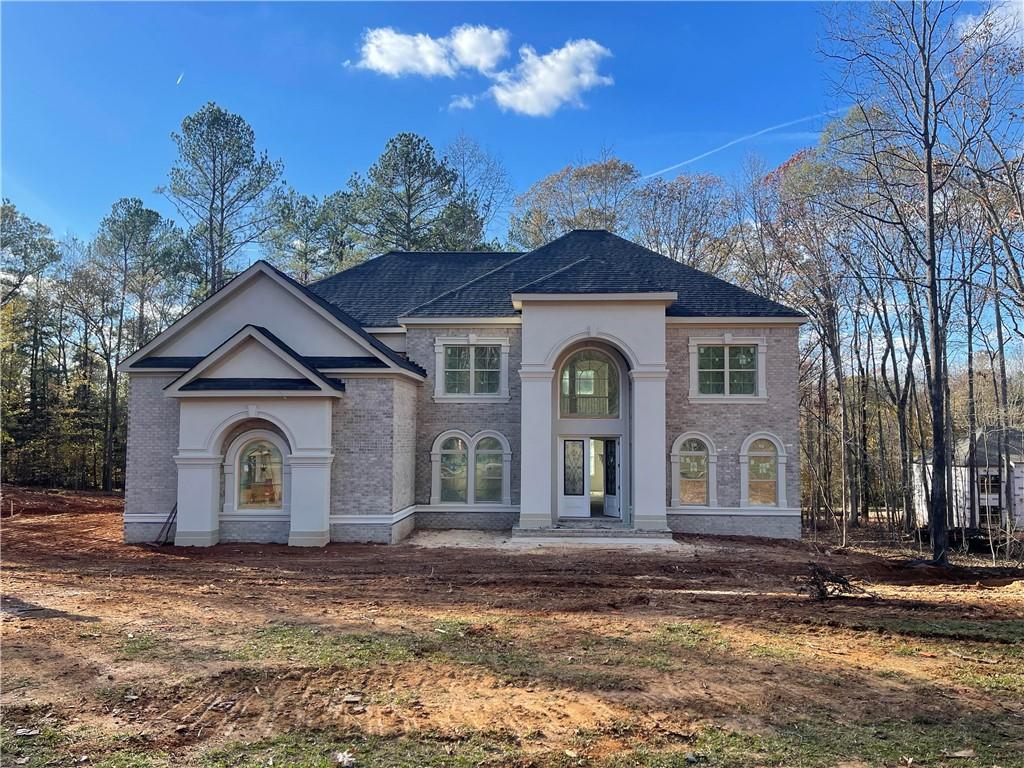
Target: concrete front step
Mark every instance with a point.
(590, 533)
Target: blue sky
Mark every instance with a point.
(90, 92)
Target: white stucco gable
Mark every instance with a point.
(262, 296)
(252, 360)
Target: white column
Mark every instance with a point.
(649, 448)
(537, 469)
(198, 522)
(311, 500)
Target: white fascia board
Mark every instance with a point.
(511, 320)
(662, 297)
(758, 322)
(283, 394)
(383, 329)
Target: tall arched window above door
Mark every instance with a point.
(589, 386)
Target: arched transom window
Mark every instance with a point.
(763, 472)
(260, 476)
(693, 472)
(589, 385)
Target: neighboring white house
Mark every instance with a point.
(990, 499)
(590, 382)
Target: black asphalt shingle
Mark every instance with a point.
(298, 385)
(596, 261)
(379, 291)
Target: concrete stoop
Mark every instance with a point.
(573, 532)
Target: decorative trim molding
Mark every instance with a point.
(735, 511)
(662, 297)
(753, 322)
(391, 519)
(509, 321)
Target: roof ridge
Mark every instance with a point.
(542, 278)
(506, 265)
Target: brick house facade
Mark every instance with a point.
(588, 383)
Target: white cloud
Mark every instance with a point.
(394, 53)
(1003, 17)
(479, 48)
(538, 85)
(462, 102)
(542, 84)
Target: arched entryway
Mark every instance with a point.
(257, 479)
(591, 417)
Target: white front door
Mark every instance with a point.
(589, 477)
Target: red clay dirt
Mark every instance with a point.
(196, 648)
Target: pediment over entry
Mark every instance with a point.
(253, 361)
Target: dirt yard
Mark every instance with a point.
(125, 656)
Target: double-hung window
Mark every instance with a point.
(470, 367)
(727, 369)
(472, 370)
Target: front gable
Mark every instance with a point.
(262, 300)
(263, 296)
(253, 360)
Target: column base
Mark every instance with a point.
(535, 521)
(308, 538)
(651, 523)
(196, 538)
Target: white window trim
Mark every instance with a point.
(472, 340)
(728, 340)
(471, 443)
(780, 471)
(230, 509)
(677, 447)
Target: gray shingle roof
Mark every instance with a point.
(596, 261)
(379, 291)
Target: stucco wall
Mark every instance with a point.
(151, 475)
(433, 418)
(728, 424)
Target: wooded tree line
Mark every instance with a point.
(900, 234)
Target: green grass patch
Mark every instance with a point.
(318, 750)
(134, 645)
(692, 635)
(992, 681)
(312, 646)
(1003, 631)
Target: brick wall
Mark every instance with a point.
(363, 445)
(728, 424)
(434, 418)
(403, 429)
(151, 484)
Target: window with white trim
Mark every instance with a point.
(727, 370)
(693, 473)
(763, 473)
(471, 470)
(454, 470)
(471, 368)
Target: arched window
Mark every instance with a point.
(260, 476)
(763, 473)
(489, 470)
(589, 385)
(471, 470)
(454, 470)
(693, 473)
